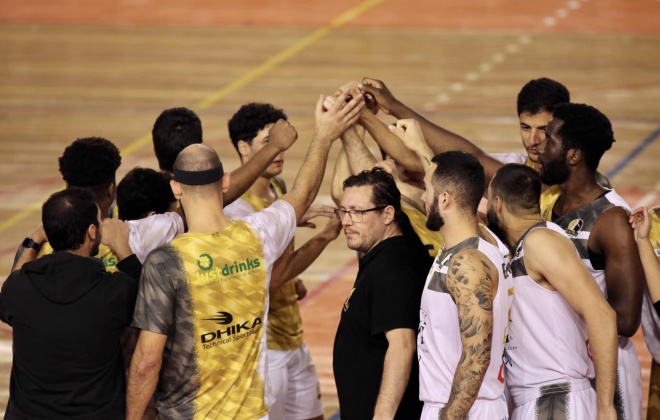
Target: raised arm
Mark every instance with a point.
(23, 254)
(342, 171)
(439, 139)
(641, 221)
(282, 135)
(359, 157)
(471, 281)
(409, 193)
(330, 124)
(613, 238)
(551, 256)
(292, 264)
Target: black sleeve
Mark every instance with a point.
(396, 298)
(4, 310)
(130, 268)
(131, 265)
(656, 305)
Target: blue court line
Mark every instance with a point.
(633, 154)
(335, 416)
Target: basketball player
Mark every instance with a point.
(203, 297)
(559, 317)
(291, 371)
(465, 302)
(596, 220)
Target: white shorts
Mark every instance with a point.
(628, 393)
(575, 400)
(482, 409)
(294, 384)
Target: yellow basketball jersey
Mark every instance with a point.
(654, 236)
(548, 199)
(432, 240)
(284, 320)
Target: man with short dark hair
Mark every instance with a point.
(67, 312)
(560, 320)
(374, 359)
(203, 296)
(291, 370)
(466, 299)
(596, 220)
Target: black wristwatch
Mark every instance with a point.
(29, 243)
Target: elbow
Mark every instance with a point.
(627, 324)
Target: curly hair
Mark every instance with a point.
(250, 119)
(90, 162)
(142, 191)
(174, 130)
(541, 95)
(585, 128)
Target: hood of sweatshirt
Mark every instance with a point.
(63, 277)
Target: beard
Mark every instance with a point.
(495, 225)
(554, 172)
(95, 247)
(434, 221)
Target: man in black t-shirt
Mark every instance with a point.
(374, 358)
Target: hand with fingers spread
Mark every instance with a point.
(378, 95)
(410, 133)
(640, 220)
(320, 210)
(282, 134)
(331, 123)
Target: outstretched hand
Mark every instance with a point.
(640, 220)
(377, 93)
(343, 113)
(319, 210)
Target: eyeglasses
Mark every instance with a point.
(356, 216)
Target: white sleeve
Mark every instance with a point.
(276, 226)
(147, 234)
(505, 158)
(238, 209)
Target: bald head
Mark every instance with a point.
(197, 157)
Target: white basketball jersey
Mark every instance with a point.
(547, 339)
(439, 345)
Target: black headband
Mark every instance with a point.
(199, 177)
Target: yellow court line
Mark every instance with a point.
(266, 66)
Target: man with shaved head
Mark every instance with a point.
(203, 297)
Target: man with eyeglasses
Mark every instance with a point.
(374, 358)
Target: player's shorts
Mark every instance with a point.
(628, 392)
(653, 412)
(294, 384)
(481, 409)
(572, 399)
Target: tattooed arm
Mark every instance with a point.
(471, 281)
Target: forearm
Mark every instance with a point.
(466, 384)
(142, 382)
(411, 195)
(308, 180)
(651, 267)
(601, 328)
(390, 143)
(23, 255)
(293, 264)
(341, 173)
(243, 177)
(359, 157)
(396, 374)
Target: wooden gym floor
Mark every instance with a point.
(74, 68)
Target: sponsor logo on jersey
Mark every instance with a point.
(574, 227)
(231, 333)
(109, 262)
(348, 300)
(235, 270)
(205, 262)
(221, 318)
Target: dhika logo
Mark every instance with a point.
(222, 318)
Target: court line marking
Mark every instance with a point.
(218, 95)
(623, 163)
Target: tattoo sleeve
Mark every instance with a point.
(470, 281)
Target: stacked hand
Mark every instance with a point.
(282, 135)
(343, 113)
(411, 135)
(378, 96)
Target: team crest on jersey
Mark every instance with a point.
(205, 262)
(574, 227)
(348, 300)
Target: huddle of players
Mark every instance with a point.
(559, 319)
